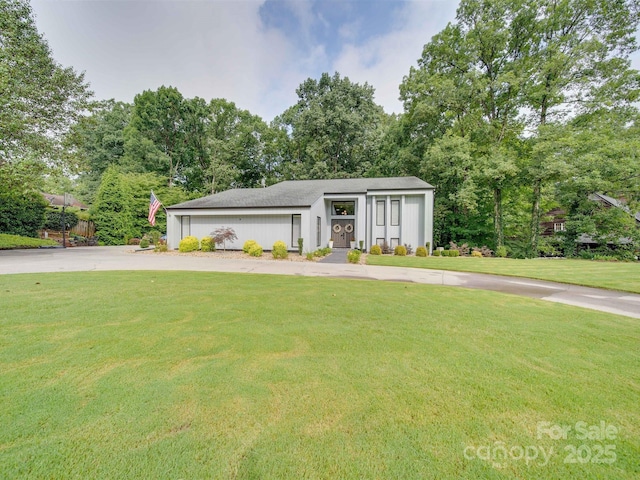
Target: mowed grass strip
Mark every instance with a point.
(623, 276)
(210, 375)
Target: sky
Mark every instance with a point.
(254, 53)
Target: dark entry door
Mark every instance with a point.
(342, 232)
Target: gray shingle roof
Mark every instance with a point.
(300, 193)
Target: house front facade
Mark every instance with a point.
(396, 210)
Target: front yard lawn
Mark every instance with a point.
(624, 276)
(213, 375)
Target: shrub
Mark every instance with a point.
(476, 253)
(300, 243)
(436, 253)
(188, 244)
(161, 247)
(207, 244)
(462, 249)
(375, 250)
(155, 236)
(144, 243)
(409, 248)
(311, 255)
(427, 246)
(501, 251)
(223, 235)
(324, 251)
(421, 251)
(400, 251)
(255, 250)
(454, 253)
(486, 251)
(353, 256)
(386, 250)
(279, 250)
(53, 219)
(247, 245)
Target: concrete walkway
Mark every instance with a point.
(123, 258)
(337, 255)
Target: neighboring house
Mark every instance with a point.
(556, 218)
(58, 201)
(375, 210)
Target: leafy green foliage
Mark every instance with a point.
(8, 242)
(300, 246)
(144, 243)
(53, 219)
(189, 244)
(421, 252)
(279, 250)
(112, 209)
(501, 251)
(375, 250)
(39, 99)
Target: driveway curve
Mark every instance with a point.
(124, 258)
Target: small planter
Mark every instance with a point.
(353, 244)
(330, 243)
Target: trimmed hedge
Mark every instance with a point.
(279, 250)
(400, 251)
(189, 244)
(421, 252)
(375, 250)
(207, 244)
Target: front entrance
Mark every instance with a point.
(342, 232)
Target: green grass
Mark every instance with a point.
(8, 242)
(211, 375)
(624, 276)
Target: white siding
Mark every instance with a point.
(264, 229)
(412, 220)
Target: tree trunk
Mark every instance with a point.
(535, 215)
(497, 217)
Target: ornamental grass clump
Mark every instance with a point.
(189, 244)
(279, 250)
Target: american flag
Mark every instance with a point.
(154, 205)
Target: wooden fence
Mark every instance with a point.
(85, 228)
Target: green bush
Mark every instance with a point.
(353, 256)
(476, 253)
(189, 244)
(247, 245)
(501, 251)
(400, 251)
(207, 244)
(144, 243)
(375, 250)
(155, 236)
(161, 247)
(53, 219)
(300, 243)
(454, 253)
(421, 251)
(279, 250)
(255, 250)
(436, 253)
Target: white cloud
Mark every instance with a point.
(385, 60)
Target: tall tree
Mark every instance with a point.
(111, 211)
(332, 127)
(39, 99)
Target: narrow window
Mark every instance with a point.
(185, 226)
(395, 242)
(318, 231)
(558, 227)
(395, 212)
(380, 213)
(296, 222)
(379, 241)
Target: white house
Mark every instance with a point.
(396, 210)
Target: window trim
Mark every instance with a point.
(395, 203)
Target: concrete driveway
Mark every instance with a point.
(125, 258)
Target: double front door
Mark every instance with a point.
(342, 232)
